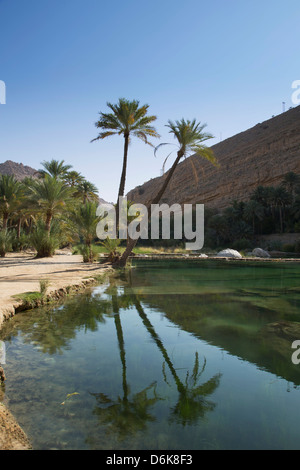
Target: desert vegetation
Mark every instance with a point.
(47, 212)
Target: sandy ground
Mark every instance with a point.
(21, 273)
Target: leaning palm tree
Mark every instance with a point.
(55, 168)
(190, 139)
(128, 119)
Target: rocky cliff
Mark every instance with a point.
(18, 170)
(261, 155)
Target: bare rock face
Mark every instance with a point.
(261, 155)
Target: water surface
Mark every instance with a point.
(172, 355)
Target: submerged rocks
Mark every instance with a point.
(229, 253)
(260, 253)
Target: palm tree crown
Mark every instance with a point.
(127, 118)
(55, 168)
(190, 139)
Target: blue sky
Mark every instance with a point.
(229, 64)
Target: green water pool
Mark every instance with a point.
(172, 355)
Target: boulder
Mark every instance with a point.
(229, 253)
(260, 253)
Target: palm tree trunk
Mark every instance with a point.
(131, 244)
(122, 180)
(48, 222)
(19, 229)
(4, 222)
(280, 216)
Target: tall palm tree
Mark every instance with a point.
(55, 168)
(128, 119)
(282, 198)
(253, 210)
(290, 183)
(10, 194)
(190, 139)
(50, 196)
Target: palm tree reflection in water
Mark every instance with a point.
(124, 415)
(129, 414)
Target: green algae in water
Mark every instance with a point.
(169, 356)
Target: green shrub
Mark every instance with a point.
(297, 227)
(288, 248)
(112, 245)
(5, 243)
(44, 243)
(89, 254)
(242, 244)
(274, 245)
(21, 243)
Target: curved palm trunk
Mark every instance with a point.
(122, 180)
(131, 243)
(157, 340)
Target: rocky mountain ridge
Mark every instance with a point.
(261, 155)
(18, 170)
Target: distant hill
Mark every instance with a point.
(18, 170)
(261, 155)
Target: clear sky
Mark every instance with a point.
(228, 63)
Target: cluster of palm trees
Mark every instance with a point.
(57, 206)
(270, 209)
